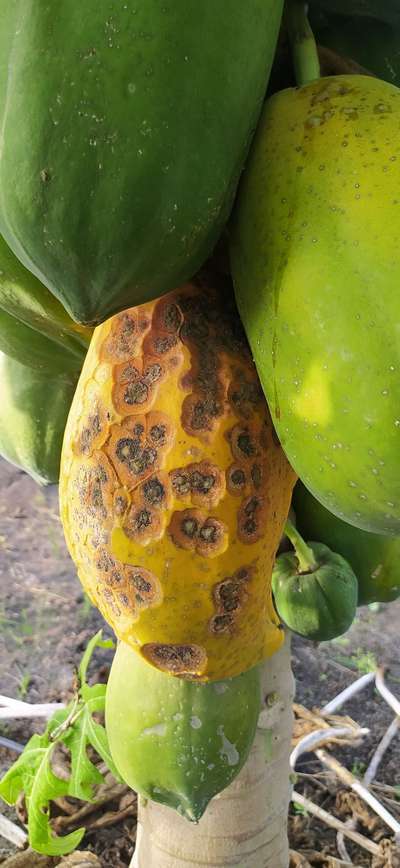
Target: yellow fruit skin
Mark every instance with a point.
(174, 491)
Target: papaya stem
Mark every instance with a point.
(304, 555)
(304, 48)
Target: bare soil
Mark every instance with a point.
(46, 622)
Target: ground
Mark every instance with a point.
(45, 624)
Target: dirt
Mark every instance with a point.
(46, 622)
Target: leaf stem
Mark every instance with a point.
(304, 554)
(303, 45)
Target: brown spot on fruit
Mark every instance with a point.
(124, 339)
(203, 483)
(144, 586)
(229, 595)
(256, 475)
(135, 385)
(160, 431)
(133, 456)
(160, 343)
(200, 414)
(252, 519)
(221, 624)
(176, 659)
(93, 430)
(143, 524)
(236, 479)
(212, 538)
(184, 528)
(156, 491)
(121, 502)
(167, 316)
(244, 395)
(95, 482)
(243, 442)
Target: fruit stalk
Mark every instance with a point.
(304, 554)
(246, 823)
(303, 45)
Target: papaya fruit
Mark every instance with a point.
(25, 299)
(374, 558)
(315, 590)
(33, 413)
(314, 252)
(31, 348)
(173, 488)
(176, 741)
(371, 43)
(115, 176)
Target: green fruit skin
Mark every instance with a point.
(115, 176)
(24, 298)
(33, 413)
(176, 741)
(315, 260)
(375, 559)
(32, 348)
(320, 605)
(371, 43)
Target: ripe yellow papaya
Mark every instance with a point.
(315, 258)
(174, 490)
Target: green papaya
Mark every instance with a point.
(315, 590)
(33, 413)
(23, 297)
(375, 559)
(315, 260)
(175, 741)
(115, 175)
(32, 348)
(372, 44)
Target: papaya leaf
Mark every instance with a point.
(32, 773)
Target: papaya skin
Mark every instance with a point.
(375, 559)
(115, 178)
(174, 490)
(175, 741)
(315, 260)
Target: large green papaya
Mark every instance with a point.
(375, 559)
(315, 259)
(33, 413)
(30, 347)
(175, 741)
(24, 298)
(115, 174)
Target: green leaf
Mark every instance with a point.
(32, 774)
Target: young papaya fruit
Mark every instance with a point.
(33, 413)
(176, 741)
(24, 298)
(115, 175)
(374, 558)
(174, 490)
(316, 267)
(315, 590)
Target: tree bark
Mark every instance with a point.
(246, 824)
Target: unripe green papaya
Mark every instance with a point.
(319, 603)
(115, 176)
(30, 347)
(33, 413)
(175, 741)
(315, 259)
(375, 559)
(24, 298)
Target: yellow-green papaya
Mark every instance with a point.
(115, 175)
(315, 259)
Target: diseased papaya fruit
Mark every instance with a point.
(175, 741)
(173, 489)
(315, 258)
(33, 412)
(375, 559)
(315, 590)
(115, 175)
(24, 298)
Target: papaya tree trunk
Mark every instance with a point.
(247, 823)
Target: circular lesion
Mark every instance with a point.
(192, 530)
(236, 479)
(252, 519)
(143, 524)
(184, 659)
(229, 598)
(124, 338)
(203, 483)
(244, 443)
